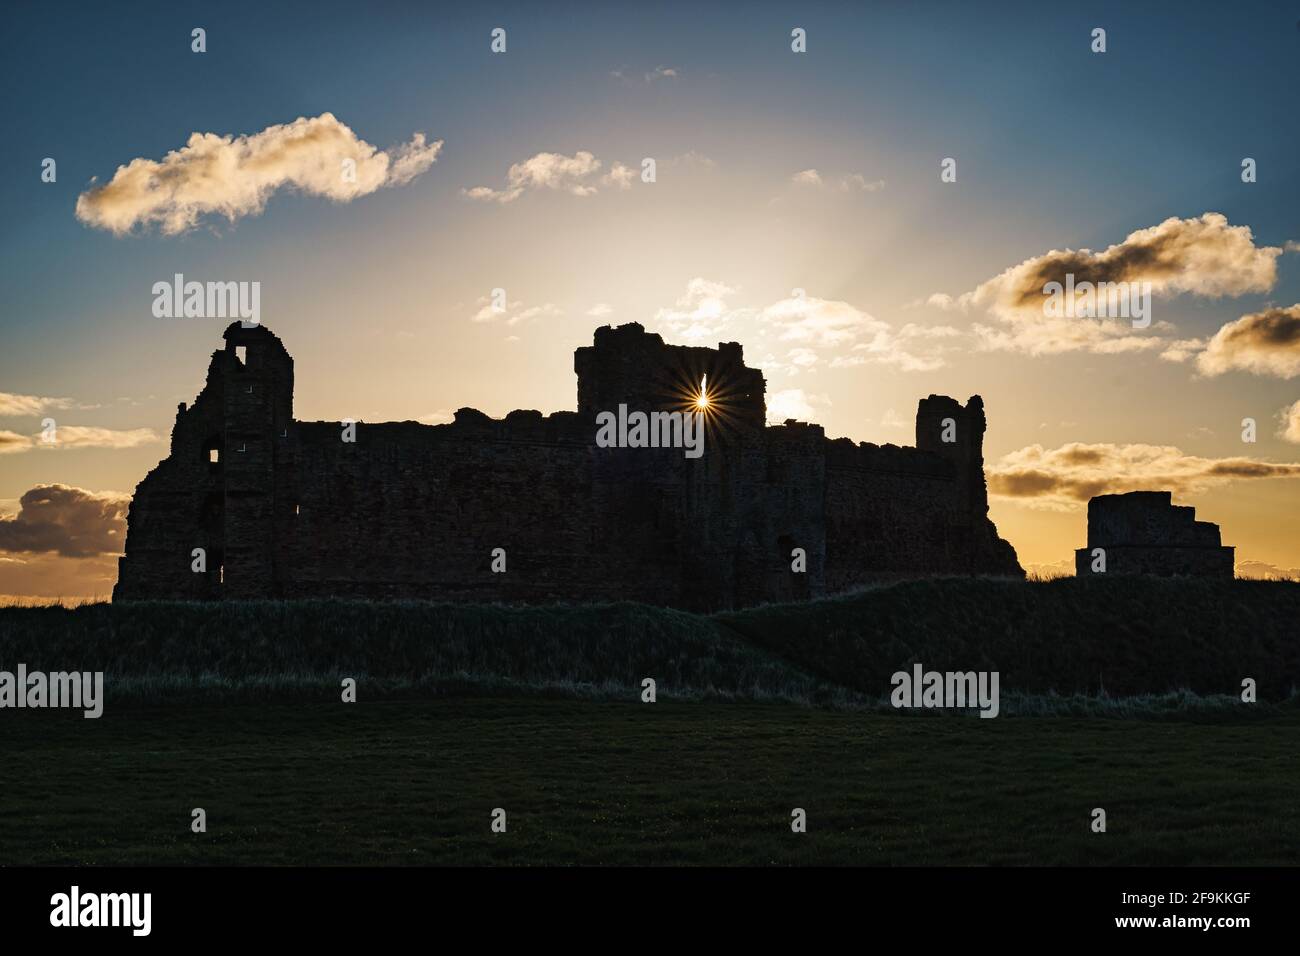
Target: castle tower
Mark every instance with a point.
(257, 388)
(945, 427)
(628, 365)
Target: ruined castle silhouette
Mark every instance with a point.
(289, 509)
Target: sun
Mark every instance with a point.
(702, 399)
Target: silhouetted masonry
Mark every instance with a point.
(1143, 532)
(287, 509)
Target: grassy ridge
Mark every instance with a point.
(1117, 636)
(160, 649)
(1121, 636)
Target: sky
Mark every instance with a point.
(798, 206)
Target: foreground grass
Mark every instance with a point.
(587, 782)
(1118, 637)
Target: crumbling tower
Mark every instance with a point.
(219, 491)
(258, 411)
(1143, 532)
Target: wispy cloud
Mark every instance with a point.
(700, 313)
(649, 76)
(11, 442)
(77, 436)
(891, 419)
(513, 313)
(83, 436)
(234, 176)
(1064, 478)
(806, 327)
(852, 182)
(12, 405)
(835, 325)
(577, 175)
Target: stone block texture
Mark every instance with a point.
(1143, 532)
(287, 509)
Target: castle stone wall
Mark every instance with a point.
(407, 510)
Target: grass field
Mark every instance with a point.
(589, 782)
(1120, 694)
(1117, 636)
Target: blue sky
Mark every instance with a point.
(1057, 147)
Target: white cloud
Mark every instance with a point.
(1180, 350)
(235, 176)
(1290, 417)
(700, 313)
(619, 176)
(802, 357)
(1265, 343)
(794, 403)
(805, 326)
(831, 324)
(600, 310)
(12, 405)
(577, 175)
(856, 182)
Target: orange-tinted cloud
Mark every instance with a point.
(68, 521)
(1265, 343)
(1202, 256)
(1065, 478)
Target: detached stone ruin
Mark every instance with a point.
(1143, 532)
(529, 508)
